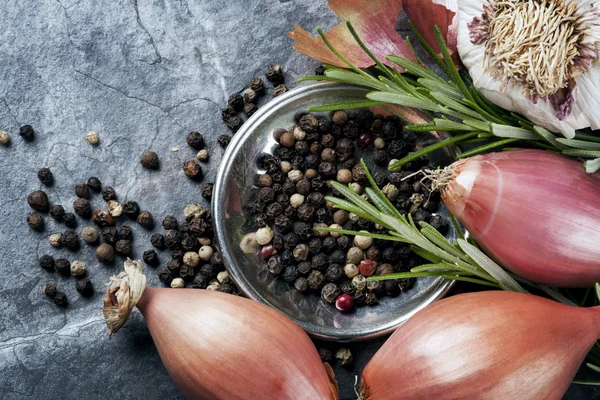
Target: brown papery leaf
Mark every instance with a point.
(425, 14)
(374, 21)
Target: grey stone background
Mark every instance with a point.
(142, 73)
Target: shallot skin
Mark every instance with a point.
(536, 213)
(219, 346)
(486, 345)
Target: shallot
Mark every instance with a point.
(487, 345)
(534, 212)
(219, 346)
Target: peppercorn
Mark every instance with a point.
(60, 299)
(274, 265)
(165, 276)
(54, 240)
(334, 273)
(421, 215)
(27, 133)
(236, 101)
(151, 258)
(49, 290)
(131, 209)
(202, 155)
(227, 113)
(125, 232)
(256, 84)
(189, 242)
(279, 90)
(330, 292)
(82, 191)
(327, 169)
(306, 212)
(84, 287)
(102, 218)
(47, 262)
(371, 299)
(70, 220)
(315, 280)
(199, 282)
(343, 357)
(177, 283)
(108, 193)
(35, 221)
(172, 237)
(45, 176)
(347, 288)
(234, 123)
(363, 242)
(38, 200)
(192, 169)
(290, 274)
(77, 268)
(149, 159)
(70, 239)
(440, 223)
(208, 271)
(207, 190)
(337, 257)
(274, 73)
(105, 253)
(186, 273)
(4, 138)
(62, 266)
(123, 247)
(178, 253)
(195, 139)
(325, 354)
(94, 184)
(89, 234)
(351, 270)
(157, 241)
(174, 265)
(329, 244)
(145, 219)
(250, 109)
(92, 138)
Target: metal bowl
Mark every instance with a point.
(234, 180)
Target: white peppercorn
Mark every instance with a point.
(114, 208)
(4, 137)
(223, 277)
(286, 167)
(343, 356)
(202, 155)
(204, 241)
(77, 268)
(353, 217)
(92, 138)
(299, 133)
(397, 169)
(358, 189)
(379, 143)
(351, 270)
(344, 176)
(193, 210)
(54, 240)
(390, 191)
(354, 256)
(295, 175)
(191, 258)
(213, 286)
(177, 283)
(335, 234)
(359, 282)
(248, 243)
(89, 234)
(206, 252)
(264, 235)
(296, 200)
(363, 242)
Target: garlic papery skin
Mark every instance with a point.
(535, 212)
(539, 59)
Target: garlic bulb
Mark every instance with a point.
(537, 58)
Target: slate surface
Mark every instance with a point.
(142, 73)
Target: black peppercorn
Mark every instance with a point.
(327, 140)
(274, 265)
(192, 169)
(325, 354)
(380, 157)
(174, 265)
(440, 223)
(320, 70)
(303, 187)
(304, 267)
(227, 113)
(109, 235)
(62, 266)
(343, 242)
(207, 190)
(290, 212)
(165, 277)
(350, 129)
(83, 208)
(320, 261)
(131, 209)
(337, 257)
(49, 290)
(391, 288)
(82, 190)
(330, 292)
(306, 212)
(405, 284)
(236, 101)
(108, 193)
(125, 232)
(371, 299)
(145, 219)
(102, 218)
(70, 220)
(324, 216)
(151, 258)
(172, 238)
(149, 159)
(266, 195)
(277, 242)
(287, 258)
(304, 230)
(421, 215)
(38, 200)
(47, 262)
(123, 247)
(27, 133)
(195, 139)
(308, 123)
(250, 109)
(274, 210)
(301, 284)
(359, 298)
(297, 162)
(226, 288)
(189, 242)
(94, 184)
(178, 253)
(200, 282)
(318, 184)
(290, 274)
(316, 280)
(327, 169)
(329, 244)
(234, 123)
(316, 199)
(334, 273)
(256, 84)
(282, 199)
(186, 273)
(84, 287)
(390, 255)
(315, 245)
(274, 73)
(290, 241)
(60, 299)
(170, 222)
(35, 221)
(70, 239)
(359, 175)
(208, 271)
(57, 212)
(45, 176)
(224, 140)
(348, 288)
(301, 148)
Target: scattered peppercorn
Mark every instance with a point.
(49, 290)
(62, 266)
(108, 193)
(123, 247)
(54, 240)
(27, 133)
(82, 190)
(145, 219)
(38, 200)
(236, 101)
(70, 220)
(274, 73)
(47, 262)
(94, 184)
(45, 176)
(207, 190)
(92, 138)
(343, 357)
(57, 212)
(279, 90)
(195, 139)
(89, 234)
(60, 299)
(102, 218)
(84, 287)
(35, 221)
(131, 209)
(202, 155)
(149, 159)
(83, 208)
(105, 253)
(234, 123)
(4, 138)
(77, 268)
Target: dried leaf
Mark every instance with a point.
(374, 21)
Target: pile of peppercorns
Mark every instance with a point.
(246, 101)
(287, 206)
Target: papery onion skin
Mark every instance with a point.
(220, 346)
(534, 212)
(487, 345)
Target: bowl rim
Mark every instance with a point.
(218, 212)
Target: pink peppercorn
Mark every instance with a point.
(268, 251)
(344, 303)
(367, 267)
(364, 141)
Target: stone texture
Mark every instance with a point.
(142, 73)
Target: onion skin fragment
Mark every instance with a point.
(486, 345)
(219, 346)
(536, 213)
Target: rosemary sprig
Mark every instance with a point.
(454, 99)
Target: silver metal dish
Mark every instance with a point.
(236, 177)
